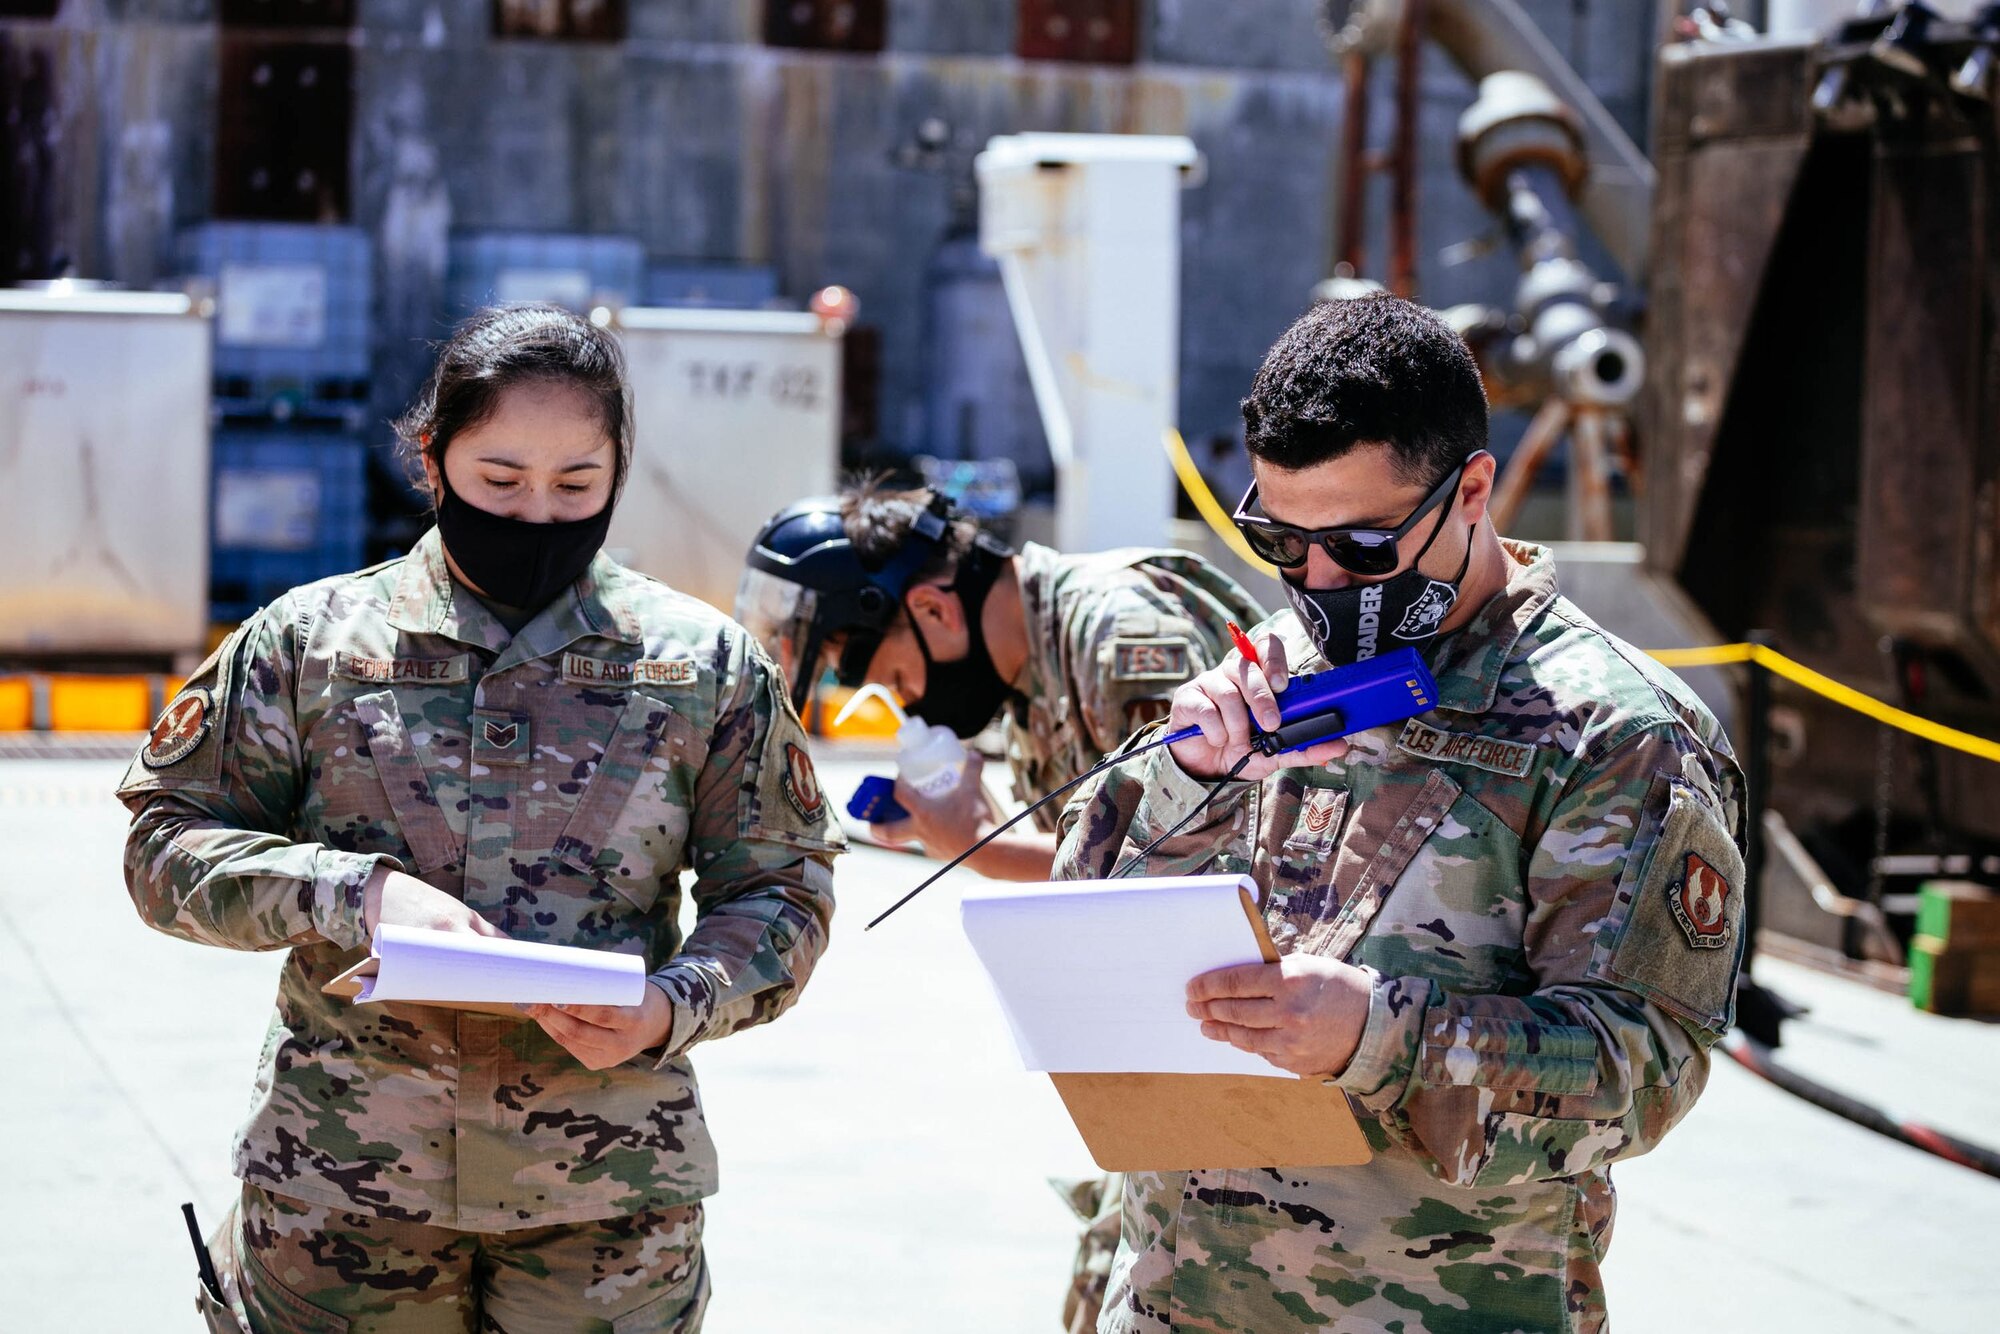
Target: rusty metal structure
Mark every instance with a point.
(1821, 426)
(1804, 395)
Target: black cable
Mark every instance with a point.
(1755, 1056)
(1024, 813)
(1213, 792)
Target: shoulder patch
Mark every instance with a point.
(1699, 900)
(1149, 660)
(182, 727)
(801, 784)
(1679, 941)
(1513, 758)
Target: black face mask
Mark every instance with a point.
(1353, 624)
(514, 562)
(963, 694)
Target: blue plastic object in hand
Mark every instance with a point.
(1342, 700)
(875, 801)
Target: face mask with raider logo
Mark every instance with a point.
(1353, 624)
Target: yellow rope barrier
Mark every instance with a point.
(1722, 655)
(1718, 655)
(1205, 502)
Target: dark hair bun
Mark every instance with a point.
(503, 346)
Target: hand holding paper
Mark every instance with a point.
(1303, 1013)
(397, 899)
(1098, 980)
(601, 1036)
(1093, 974)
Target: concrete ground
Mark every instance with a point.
(883, 1159)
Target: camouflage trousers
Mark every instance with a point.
(288, 1267)
(1099, 1204)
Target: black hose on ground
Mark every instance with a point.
(1755, 1057)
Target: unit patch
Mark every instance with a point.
(182, 727)
(579, 670)
(1149, 660)
(801, 784)
(1513, 758)
(424, 671)
(1698, 899)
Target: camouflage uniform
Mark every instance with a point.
(558, 780)
(1541, 877)
(288, 1267)
(1110, 635)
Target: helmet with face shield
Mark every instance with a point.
(805, 584)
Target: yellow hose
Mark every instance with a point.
(1206, 504)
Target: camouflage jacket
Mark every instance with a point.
(1110, 634)
(557, 780)
(1541, 876)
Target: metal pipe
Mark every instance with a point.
(1541, 437)
(1350, 242)
(1487, 36)
(1403, 199)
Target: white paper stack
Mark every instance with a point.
(454, 966)
(1093, 974)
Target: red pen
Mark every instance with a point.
(1243, 644)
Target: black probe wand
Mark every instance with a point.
(1312, 708)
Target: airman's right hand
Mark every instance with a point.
(1225, 702)
(403, 900)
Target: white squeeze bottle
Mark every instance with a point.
(929, 757)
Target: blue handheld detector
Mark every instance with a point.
(1318, 706)
(1342, 700)
(875, 801)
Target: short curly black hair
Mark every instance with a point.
(1370, 370)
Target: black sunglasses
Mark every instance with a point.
(1364, 551)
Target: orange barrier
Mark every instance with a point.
(17, 704)
(871, 722)
(80, 702)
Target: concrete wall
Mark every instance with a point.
(706, 145)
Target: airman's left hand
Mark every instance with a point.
(1304, 1013)
(601, 1036)
(945, 825)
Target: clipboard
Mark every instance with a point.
(1168, 1123)
(1107, 1028)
